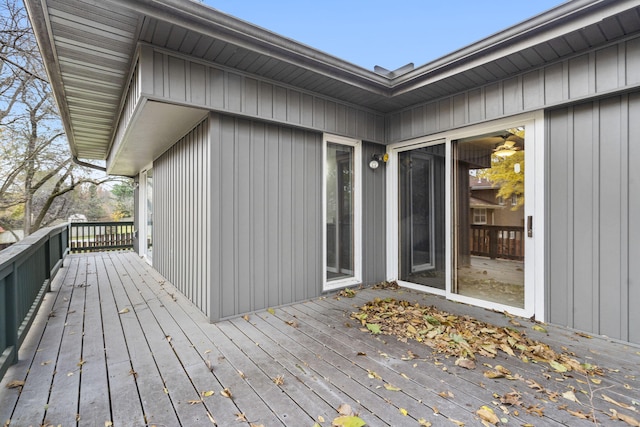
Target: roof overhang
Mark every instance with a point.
(89, 50)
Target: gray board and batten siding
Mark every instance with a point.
(238, 215)
(593, 235)
(600, 72)
(181, 215)
(172, 77)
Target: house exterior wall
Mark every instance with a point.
(593, 235)
(266, 233)
(237, 215)
(600, 72)
(181, 216)
(169, 76)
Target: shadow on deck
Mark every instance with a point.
(114, 344)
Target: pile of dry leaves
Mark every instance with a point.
(461, 336)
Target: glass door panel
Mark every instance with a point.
(149, 213)
(489, 226)
(339, 211)
(421, 189)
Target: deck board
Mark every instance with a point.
(150, 364)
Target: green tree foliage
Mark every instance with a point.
(507, 173)
(37, 174)
(123, 194)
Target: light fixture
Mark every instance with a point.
(374, 163)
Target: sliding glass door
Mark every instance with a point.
(421, 215)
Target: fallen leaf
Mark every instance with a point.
(241, 417)
(279, 380)
(208, 393)
(539, 329)
(348, 421)
(622, 405)
(241, 374)
(391, 387)
(374, 328)
(345, 409)
(424, 423)
(570, 395)
(487, 414)
(15, 384)
(627, 419)
(579, 414)
(271, 311)
(320, 419)
(371, 374)
(123, 311)
(292, 323)
(226, 393)
(194, 402)
(246, 317)
(213, 421)
(558, 367)
(81, 362)
(463, 362)
(108, 424)
(403, 411)
(456, 422)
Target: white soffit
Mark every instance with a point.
(153, 131)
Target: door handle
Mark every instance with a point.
(530, 226)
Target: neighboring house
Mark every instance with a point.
(488, 208)
(252, 153)
(8, 238)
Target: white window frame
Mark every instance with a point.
(480, 213)
(534, 247)
(356, 279)
(142, 214)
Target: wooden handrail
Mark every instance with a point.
(26, 270)
(497, 241)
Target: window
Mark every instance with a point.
(480, 216)
(342, 229)
(514, 200)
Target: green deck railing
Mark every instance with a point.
(100, 236)
(26, 271)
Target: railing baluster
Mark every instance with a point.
(101, 236)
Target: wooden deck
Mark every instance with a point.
(114, 344)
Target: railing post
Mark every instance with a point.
(493, 243)
(12, 314)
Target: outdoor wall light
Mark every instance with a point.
(376, 159)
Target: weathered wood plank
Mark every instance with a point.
(170, 345)
(62, 407)
(156, 404)
(94, 406)
(37, 355)
(177, 384)
(126, 408)
(191, 346)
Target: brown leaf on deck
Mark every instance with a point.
(15, 384)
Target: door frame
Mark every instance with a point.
(143, 244)
(356, 277)
(534, 206)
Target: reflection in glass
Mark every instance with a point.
(339, 214)
(149, 191)
(421, 187)
(488, 175)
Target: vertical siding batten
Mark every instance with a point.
(178, 233)
(593, 241)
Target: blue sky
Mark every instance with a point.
(386, 33)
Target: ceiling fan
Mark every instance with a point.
(510, 145)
